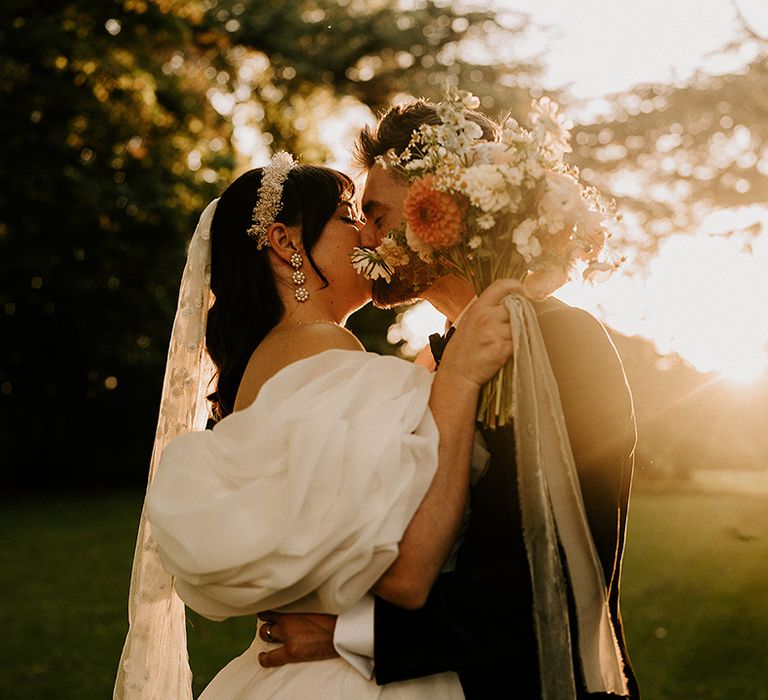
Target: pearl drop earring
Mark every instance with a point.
(299, 278)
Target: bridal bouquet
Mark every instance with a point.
(486, 211)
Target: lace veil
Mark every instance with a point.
(154, 663)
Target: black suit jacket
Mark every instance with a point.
(478, 619)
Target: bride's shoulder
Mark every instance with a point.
(309, 339)
(284, 347)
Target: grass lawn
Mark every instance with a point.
(695, 597)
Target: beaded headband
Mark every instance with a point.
(268, 203)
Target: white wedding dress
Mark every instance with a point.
(298, 503)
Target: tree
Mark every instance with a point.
(110, 153)
(294, 61)
(670, 154)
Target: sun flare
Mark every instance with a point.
(704, 298)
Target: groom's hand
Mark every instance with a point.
(483, 341)
(304, 636)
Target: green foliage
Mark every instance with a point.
(296, 59)
(373, 50)
(97, 202)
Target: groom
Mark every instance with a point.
(477, 620)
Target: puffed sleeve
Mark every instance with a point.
(299, 501)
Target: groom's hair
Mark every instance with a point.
(398, 124)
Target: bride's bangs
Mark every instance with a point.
(330, 186)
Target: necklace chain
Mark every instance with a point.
(310, 322)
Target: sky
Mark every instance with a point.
(598, 47)
(703, 297)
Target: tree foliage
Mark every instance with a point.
(293, 61)
(122, 119)
(671, 154)
(97, 201)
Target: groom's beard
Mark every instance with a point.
(406, 286)
(387, 295)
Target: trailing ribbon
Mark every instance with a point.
(553, 514)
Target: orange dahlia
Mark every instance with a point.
(433, 216)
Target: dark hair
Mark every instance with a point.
(247, 305)
(397, 125)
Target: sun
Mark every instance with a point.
(710, 299)
(744, 370)
(704, 297)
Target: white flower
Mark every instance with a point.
(550, 127)
(485, 222)
(561, 205)
(422, 249)
(495, 153)
(469, 100)
(513, 174)
(486, 187)
(525, 241)
(369, 263)
(476, 241)
(519, 138)
(553, 222)
(510, 125)
(415, 164)
(533, 167)
(473, 131)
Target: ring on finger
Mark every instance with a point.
(268, 632)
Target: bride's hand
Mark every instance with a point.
(482, 342)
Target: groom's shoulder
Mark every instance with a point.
(556, 311)
(551, 305)
(571, 326)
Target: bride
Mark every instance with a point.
(331, 472)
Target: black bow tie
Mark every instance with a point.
(438, 342)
